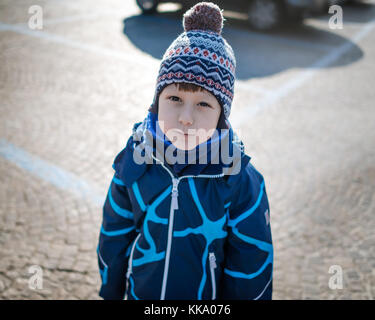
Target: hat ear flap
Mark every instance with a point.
(221, 123)
(154, 108)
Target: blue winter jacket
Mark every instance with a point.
(188, 237)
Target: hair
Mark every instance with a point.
(188, 87)
(191, 87)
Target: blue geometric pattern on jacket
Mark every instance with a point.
(211, 230)
(219, 244)
(150, 254)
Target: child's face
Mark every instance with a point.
(187, 118)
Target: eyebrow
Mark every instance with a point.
(206, 94)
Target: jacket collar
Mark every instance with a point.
(130, 171)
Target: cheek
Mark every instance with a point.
(166, 118)
(209, 120)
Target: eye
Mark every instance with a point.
(205, 104)
(174, 98)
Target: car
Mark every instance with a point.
(268, 14)
(262, 14)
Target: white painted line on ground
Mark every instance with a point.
(46, 171)
(302, 77)
(68, 19)
(142, 60)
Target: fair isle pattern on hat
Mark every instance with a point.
(204, 58)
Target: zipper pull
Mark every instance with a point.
(174, 203)
(212, 260)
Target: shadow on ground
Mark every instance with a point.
(258, 54)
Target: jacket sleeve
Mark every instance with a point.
(117, 231)
(249, 252)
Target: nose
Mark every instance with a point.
(186, 116)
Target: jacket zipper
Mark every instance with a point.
(130, 266)
(213, 265)
(174, 206)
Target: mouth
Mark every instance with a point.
(184, 134)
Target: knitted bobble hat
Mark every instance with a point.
(200, 55)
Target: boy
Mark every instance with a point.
(187, 229)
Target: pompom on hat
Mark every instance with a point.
(200, 55)
(203, 16)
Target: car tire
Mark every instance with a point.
(265, 14)
(147, 6)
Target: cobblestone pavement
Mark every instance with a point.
(70, 93)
